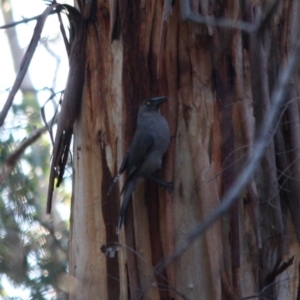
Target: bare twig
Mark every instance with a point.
(26, 20)
(55, 117)
(33, 137)
(188, 15)
(16, 154)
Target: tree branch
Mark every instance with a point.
(16, 154)
(13, 158)
(188, 15)
(26, 20)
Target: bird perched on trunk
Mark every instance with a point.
(144, 156)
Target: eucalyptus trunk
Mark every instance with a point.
(219, 82)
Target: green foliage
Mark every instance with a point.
(33, 251)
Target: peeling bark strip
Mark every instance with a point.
(71, 103)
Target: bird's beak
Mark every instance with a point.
(159, 100)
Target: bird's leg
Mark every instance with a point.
(167, 185)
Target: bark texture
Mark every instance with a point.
(219, 82)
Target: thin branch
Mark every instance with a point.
(64, 35)
(63, 32)
(33, 137)
(13, 158)
(188, 15)
(16, 154)
(55, 117)
(24, 21)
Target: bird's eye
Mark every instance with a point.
(148, 103)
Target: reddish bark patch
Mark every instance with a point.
(224, 81)
(110, 206)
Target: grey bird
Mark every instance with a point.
(144, 156)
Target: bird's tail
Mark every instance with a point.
(112, 185)
(126, 200)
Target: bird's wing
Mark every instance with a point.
(137, 154)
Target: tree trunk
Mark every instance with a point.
(219, 82)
